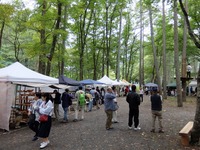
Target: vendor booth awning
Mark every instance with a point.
(90, 82)
(171, 85)
(106, 80)
(68, 81)
(17, 73)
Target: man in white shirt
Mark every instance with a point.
(189, 68)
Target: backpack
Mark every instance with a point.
(70, 100)
(81, 98)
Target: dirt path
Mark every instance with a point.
(90, 134)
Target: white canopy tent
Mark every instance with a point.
(106, 80)
(122, 83)
(193, 83)
(18, 74)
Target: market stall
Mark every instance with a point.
(12, 94)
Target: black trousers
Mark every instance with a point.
(134, 113)
(188, 75)
(35, 127)
(141, 97)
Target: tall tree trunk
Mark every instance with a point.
(94, 48)
(176, 57)
(184, 58)
(55, 37)
(84, 27)
(195, 134)
(103, 55)
(141, 76)
(42, 56)
(63, 42)
(164, 53)
(119, 47)
(1, 33)
(154, 50)
(107, 40)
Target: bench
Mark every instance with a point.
(185, 133)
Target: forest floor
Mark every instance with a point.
(90, 134)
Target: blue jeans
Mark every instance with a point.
(90, 105)
(65, 113)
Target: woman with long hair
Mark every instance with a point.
(45, 108)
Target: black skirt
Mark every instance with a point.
(45, 128)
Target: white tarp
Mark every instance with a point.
(7, 97)
(16, 73)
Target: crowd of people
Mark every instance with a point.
(44, 104)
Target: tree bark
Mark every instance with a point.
(83, 36)
(55, 37)
(176, 57)
(141, 76)
(184, 58)
(164, 52)
(63, 42)
(154, 50)
(119, 47)
(42, 56)
(1, 33)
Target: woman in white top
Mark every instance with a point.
(45, 108)
(34, 110)
(114, 119)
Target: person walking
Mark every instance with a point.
(156, 110)
(66, 102)
(109, 107)
(141, 94)
(80, 97)
(133, 100)
(114, 119)
(97, 98)
(46, 108)
(34, 112)
(89, 99)
(57, 102)
(93, 100)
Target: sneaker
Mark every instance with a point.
(35, 138)
(129, 128)
(138, 128)
(109, 128)
(115, 122)
(161, 131)
(75, 120)
(44, 144)
(153, 131)
(64, 121)
(17, 127)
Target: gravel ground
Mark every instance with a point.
(90, 134)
